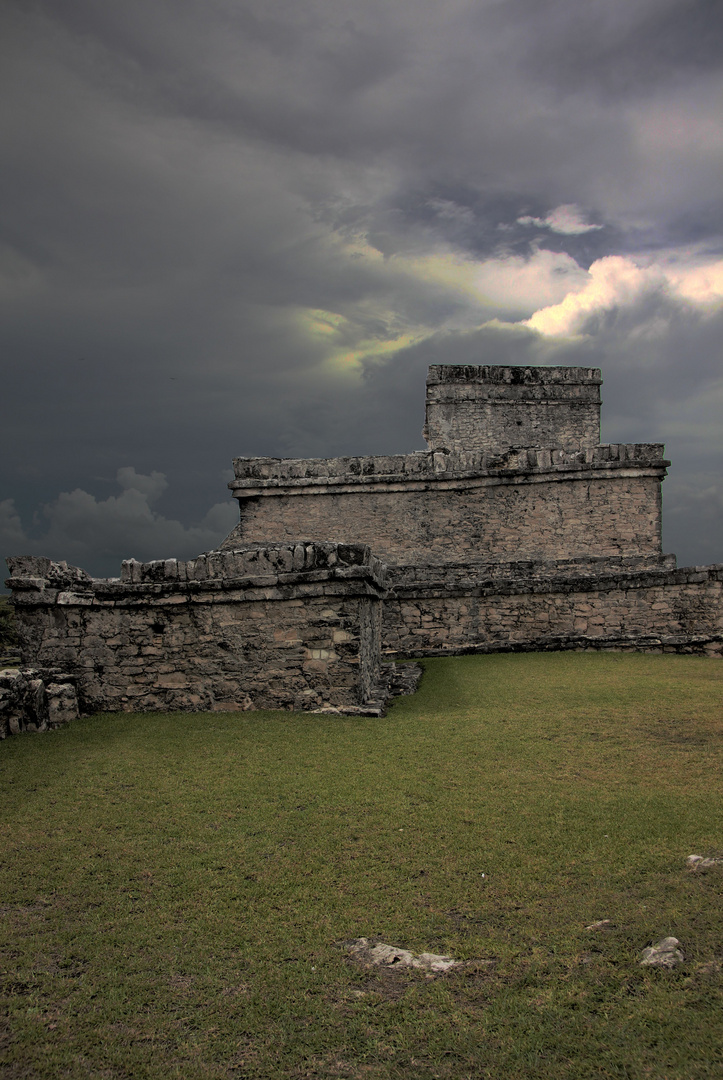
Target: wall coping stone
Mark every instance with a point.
(322, 569)
(511, 375)
(487, 580)
(254, 473)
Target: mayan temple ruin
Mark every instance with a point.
(514, 530)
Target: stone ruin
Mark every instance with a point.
(515, 530)
(273, 626)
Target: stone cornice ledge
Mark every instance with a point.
(422, 470)
(567, 580)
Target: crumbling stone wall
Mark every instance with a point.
(286, 626)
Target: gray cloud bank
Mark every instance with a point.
(243, 229)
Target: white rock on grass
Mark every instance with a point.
(699, 862)
(663, 953)
(391, 956)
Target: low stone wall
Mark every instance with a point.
(277, 626)
(32, 700)
(552, 606)
(305, 629)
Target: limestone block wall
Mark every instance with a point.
(434, 508)
(549, 606)
(286, 626)
(494, 408)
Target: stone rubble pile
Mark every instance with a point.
(33, 701)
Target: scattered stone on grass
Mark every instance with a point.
(367, 951)
(664, 953)
(700, 862)
(601, 924)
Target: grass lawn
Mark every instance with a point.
(176, 889)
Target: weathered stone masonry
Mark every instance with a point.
(285, 626)
(438, 508)
(492, 408)
(556, 606)
(515, 530)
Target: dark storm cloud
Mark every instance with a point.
(235, 228)
(617, 49)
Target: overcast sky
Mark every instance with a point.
(236, 227)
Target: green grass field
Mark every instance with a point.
(176, 889)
